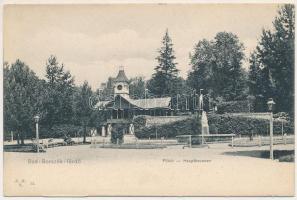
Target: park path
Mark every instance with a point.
(171, 171)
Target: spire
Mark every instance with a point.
(121, 77)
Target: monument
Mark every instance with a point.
(204, 124)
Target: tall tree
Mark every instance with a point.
(217, 67)
(256, 83)
(228, 72)
(275, 53)
(162, 81)
(202, 62)
(57, 106)
(20, 99)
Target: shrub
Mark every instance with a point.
(230, 124)
(117, 136)
(213, 129)
(139, 122)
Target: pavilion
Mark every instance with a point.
(123, 108)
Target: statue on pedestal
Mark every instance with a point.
(204, 124)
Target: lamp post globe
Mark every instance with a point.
(36, 118)
(270, 104)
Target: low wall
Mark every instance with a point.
(159, 120)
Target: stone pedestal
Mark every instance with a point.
(204, 124)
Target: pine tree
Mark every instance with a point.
(59, 94)
(165, 76)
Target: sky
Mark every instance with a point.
(92, 41)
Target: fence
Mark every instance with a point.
(205, 139)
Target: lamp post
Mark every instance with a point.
(36, 118)
(145, 96)
(270, 104)
(194, 100)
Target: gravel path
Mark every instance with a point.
(82, 170)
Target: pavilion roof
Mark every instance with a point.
(163, 102)
(150, 103)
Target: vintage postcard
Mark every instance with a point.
(148, 99)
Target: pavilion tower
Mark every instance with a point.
(121, 85)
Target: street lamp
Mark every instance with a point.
(36, 118)
(194, 100)
(270, 104)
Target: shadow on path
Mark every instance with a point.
(282, 155)
(25, 148)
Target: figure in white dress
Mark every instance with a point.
(103, 131)
(131, 129)
(109, 128)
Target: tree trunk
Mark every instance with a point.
(85, 133)
(18, 138)
(22, 139)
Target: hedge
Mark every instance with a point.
(235, 107)
(190, 126)
(218, 124)
(228, 124)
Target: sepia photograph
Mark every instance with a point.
(148, 99)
